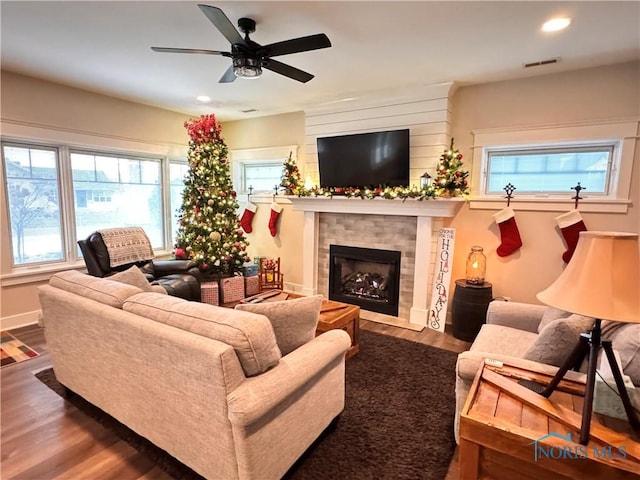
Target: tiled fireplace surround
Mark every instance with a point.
(410, 227)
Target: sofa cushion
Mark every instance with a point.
(250, 335)
(502, 340)
(550, 314)
(294, 321)
(103, 290)
(558, 339)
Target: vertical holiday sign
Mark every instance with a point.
(441, 279)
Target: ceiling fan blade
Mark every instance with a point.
(228, 76)
(190, 50)
(295, 45)
(287, 70)
(222, 23)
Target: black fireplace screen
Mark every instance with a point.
(366, 277)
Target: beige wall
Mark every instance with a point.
(586, 95)
(38, 110)
(273, 131)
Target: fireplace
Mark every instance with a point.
(366, 277)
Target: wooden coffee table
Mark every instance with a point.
(509, 432)
(333, 315)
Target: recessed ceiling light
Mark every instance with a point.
(203, 98)
(556, 24)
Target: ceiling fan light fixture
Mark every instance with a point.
(247, 67)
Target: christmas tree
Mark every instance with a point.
(209, 233)
(451, 180)
(291, 181)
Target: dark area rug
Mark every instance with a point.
(397, 423)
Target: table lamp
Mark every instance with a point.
(602, 281)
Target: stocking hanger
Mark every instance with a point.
(577, 198)
(275, 191)
(250, 193)
(509, 188)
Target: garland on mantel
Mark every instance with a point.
(450, 182)
(389, 193)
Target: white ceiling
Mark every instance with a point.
(377, 47)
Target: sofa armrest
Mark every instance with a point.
(523, 316)
(167, 267)
(259, 395)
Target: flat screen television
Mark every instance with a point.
(365, 159)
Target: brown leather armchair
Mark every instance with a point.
(179, 278)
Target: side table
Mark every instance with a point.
(508, 432)
(469, 309)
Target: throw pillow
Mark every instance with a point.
(550, 314)
(625, 339)
(558, 339)
(132, 276)
(294, 321)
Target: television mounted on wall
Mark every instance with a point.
(364, 160)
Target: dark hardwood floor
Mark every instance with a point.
(43, 437)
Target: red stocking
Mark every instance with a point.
(275, 213)
(571, 225)
(247, 217)
(509, 234)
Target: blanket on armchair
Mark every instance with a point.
(126, 245)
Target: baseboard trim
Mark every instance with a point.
(20, 320)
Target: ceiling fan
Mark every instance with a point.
(248, 57)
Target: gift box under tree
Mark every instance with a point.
(231, 289)
(210, 293)
(251, 285)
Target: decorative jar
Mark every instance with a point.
(476, 266)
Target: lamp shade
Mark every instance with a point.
(602, 280)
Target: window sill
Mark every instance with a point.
(592, 205)
(36, 274)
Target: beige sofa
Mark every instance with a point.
(526, 332)
(206, 384)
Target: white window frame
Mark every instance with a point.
(623, 134)
(28, 273)
(253, 156)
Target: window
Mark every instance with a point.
(550, 170)
(31, 176)
(260, 168)
(544, 163)
(262, 177)
(105, 188)
(56, 195)
(177, 172)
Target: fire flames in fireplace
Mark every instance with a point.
(368, 285)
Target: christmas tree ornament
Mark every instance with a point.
(273, 219)
(509, 234)
(571, 224)
(215, 236)
(247, 217)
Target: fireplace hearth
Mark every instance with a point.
(369, 278)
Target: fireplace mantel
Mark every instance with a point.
(440, 207)
(424, 211)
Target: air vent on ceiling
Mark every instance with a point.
(250, 110)
(542, 62)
